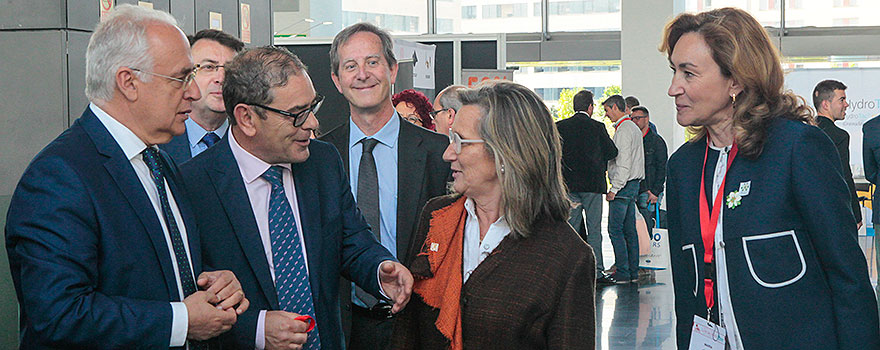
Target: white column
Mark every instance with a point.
(645, 71)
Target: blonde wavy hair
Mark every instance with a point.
(742, 48)
(521, 137)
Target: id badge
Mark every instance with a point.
(706, 335)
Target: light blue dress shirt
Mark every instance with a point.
(195, 133)
(385, 155)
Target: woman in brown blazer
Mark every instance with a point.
(497, 266)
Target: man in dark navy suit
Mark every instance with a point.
(102, 244)
(207, 124)
(586, 150)
(829, 98)
(279, 211)
(871, 159)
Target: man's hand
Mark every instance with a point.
(397, 283)
(859, 225)
(652, 199)
(609, 196)
(283, 331)
(206, 321)
(226, 287)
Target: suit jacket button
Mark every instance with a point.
(464, 301)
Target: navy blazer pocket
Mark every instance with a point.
(687, 264)
(775, 260)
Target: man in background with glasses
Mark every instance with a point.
(280, 211)
(445, 106)
(207, 124)
(394, 166)
(104, 253)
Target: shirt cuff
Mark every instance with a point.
(260, 341)
(379, 280)
(179, 324)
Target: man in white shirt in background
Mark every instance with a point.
(625, 172)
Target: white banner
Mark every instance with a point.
(862, 93)
(423, 61)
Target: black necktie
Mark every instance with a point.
(368, 201)
(157, 170)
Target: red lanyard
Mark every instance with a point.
(621, 122)
(709, 222)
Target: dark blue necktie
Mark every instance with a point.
(157, 171)
(291, 276)
(210, 139)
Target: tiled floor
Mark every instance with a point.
(631, 316)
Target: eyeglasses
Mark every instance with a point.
(209, 68)
(435, 113)
(298, 118)
(413, 118)
(455, 140)
(187, 80)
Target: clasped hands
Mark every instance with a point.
(215, 307)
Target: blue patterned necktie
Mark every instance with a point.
(157, 172)
(291, 277)
(210, 139)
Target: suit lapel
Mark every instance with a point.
(226, 179)
(178, 148)
(119, 168)
(307, 198)
(411, 158)
(339, 138)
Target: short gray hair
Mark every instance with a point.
(520, 135)
(449, 97)
(343, 36)
(119, 40)
(251, 75)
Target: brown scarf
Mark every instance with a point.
(443, 248)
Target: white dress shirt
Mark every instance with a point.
(476, 250)
(132, 146)
(725, 307)
(630, 161)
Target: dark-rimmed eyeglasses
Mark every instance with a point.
(299, 118)
(435, 113)
(187, 80)
(209, 68)
(455, 140)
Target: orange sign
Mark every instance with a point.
(106, 6)
(472, 77)
(246, 23)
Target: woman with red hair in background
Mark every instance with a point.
(414, 107)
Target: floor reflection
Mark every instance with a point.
(636, 316)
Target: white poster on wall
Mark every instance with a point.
(862, 93)
(423, 61)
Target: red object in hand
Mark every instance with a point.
(308, 319)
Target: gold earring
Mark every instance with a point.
(733, 96)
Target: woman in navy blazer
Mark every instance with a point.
(784, 271)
